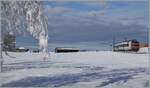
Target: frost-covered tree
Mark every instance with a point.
(20, 15)
(16, 16)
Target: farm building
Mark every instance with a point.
(66, 50)
(21, 49)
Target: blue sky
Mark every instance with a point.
(96, 21)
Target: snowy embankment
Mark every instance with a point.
(104, 69)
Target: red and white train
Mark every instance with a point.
(127, 45)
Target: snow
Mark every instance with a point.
(143, 50)
(106, 58)
(21, 48)
(103, 69)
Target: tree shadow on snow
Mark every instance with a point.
(110, 77)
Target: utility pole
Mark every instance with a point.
(1, 58)
(149, 36)
(113, 42)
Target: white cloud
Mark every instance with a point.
(95, 25)
(58, 10)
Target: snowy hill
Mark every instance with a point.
(104, 69)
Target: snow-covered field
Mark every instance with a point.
(103, 69)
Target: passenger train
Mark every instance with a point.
(127, 45)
